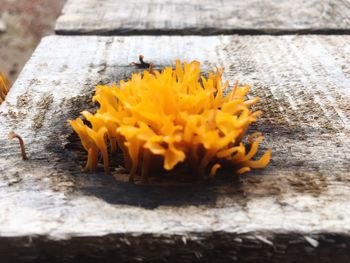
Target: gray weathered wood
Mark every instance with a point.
(298, 206)
(203, 17)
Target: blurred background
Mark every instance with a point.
(22, 24)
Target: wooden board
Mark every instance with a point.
(203, 17)
(298, 207)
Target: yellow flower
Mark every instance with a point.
(177, 116)
(4, 87)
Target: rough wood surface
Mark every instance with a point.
(299, 207)
(203, 17)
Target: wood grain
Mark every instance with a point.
(203, 17)
(298, 207)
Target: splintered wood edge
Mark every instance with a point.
(145, 17)
(305, 190)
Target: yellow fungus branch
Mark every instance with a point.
(4, 87)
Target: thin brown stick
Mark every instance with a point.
(142, 63)
(13, 135)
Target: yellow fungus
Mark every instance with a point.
(214, 169)
(177, 116)
(4, 87)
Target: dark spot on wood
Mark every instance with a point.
(42, 108)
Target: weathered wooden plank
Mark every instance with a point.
(203, 17)
(298, 206)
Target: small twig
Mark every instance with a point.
(13, 135)
(143, 64)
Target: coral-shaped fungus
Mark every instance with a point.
(4, 87)
(176, 116)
